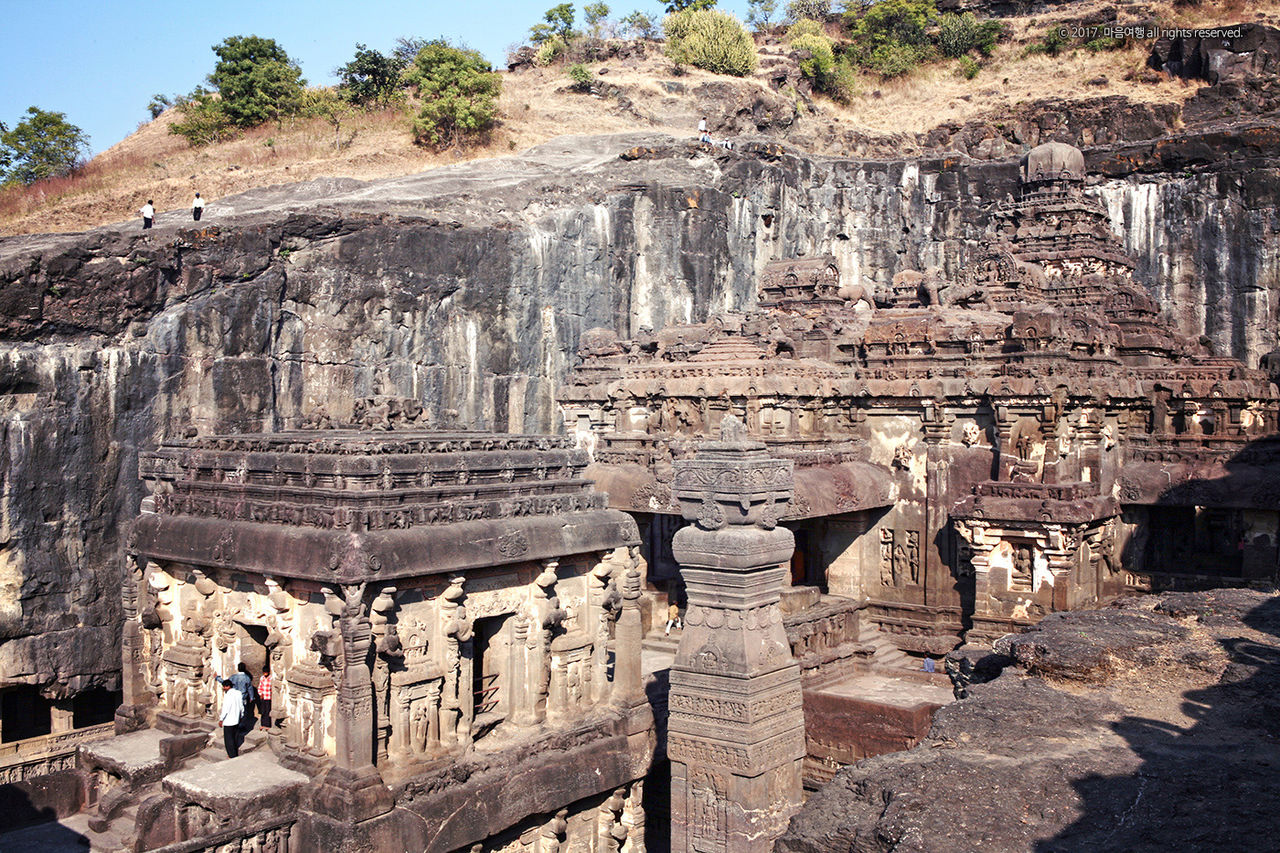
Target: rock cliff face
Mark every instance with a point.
(468, 288)
(1147, 726)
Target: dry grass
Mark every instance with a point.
(537, 105)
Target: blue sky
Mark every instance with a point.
(100, 61)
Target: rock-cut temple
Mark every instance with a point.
(465, 638)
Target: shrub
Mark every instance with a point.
(894, 22)
(895, 60)
(580, 76)
(821, 61)
(843, 85)
(638, 25)
(969, 67)
(681, 5)
(549, 51)
(203, 119)
(1051, 44)
(959, 34)
(459, 93)
(709, 39)
(804, 27)
(814, 10)
(1105, 43)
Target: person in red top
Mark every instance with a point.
(264, 698)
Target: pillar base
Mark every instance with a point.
(351, 796)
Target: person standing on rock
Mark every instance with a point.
(197, 208)
(703, 136)
(229, 719)
(148, 215)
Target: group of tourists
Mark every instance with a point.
(239, 697)
(148, 211)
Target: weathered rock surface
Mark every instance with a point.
(1152, 728)
(468, 287)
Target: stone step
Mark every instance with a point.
(886, 655)
(661, 643)
(119, 834)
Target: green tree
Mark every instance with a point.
(371, 77)
(639, 25)
(680, 5)
(159, 103)
(710, 39)
(760, 12)
(42, 145)
(596, 16)
(558, 24)
(459, 93)
(407, 49)
(256, 80)
(329, 105)
(5, 156)
(814, 10)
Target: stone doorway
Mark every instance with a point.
(489, 650)
(253, 647)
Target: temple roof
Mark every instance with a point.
(1053, 161)
(343, 505)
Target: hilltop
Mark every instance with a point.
(1016, 99)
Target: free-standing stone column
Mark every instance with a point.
(736, 724)
(136, 696)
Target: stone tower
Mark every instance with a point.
(736, 725)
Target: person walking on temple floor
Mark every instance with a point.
(673, 618)
(148, 215)
(264, 697)
(197, 208)
(230, 717)
(242, 681)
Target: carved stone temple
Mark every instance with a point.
(452, 627)
(973, 448)
(735, 727)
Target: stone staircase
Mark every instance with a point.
(886, 656)
(117, 833)
(657, 641)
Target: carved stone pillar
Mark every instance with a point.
(521, 692)
(353, 789)
(628, 677)
(133, 678)
(736, 725)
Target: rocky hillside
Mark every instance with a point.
(1151, 725)
(1019, 98)
(467, 286)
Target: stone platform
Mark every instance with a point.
(237, 782)
(866, 715)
